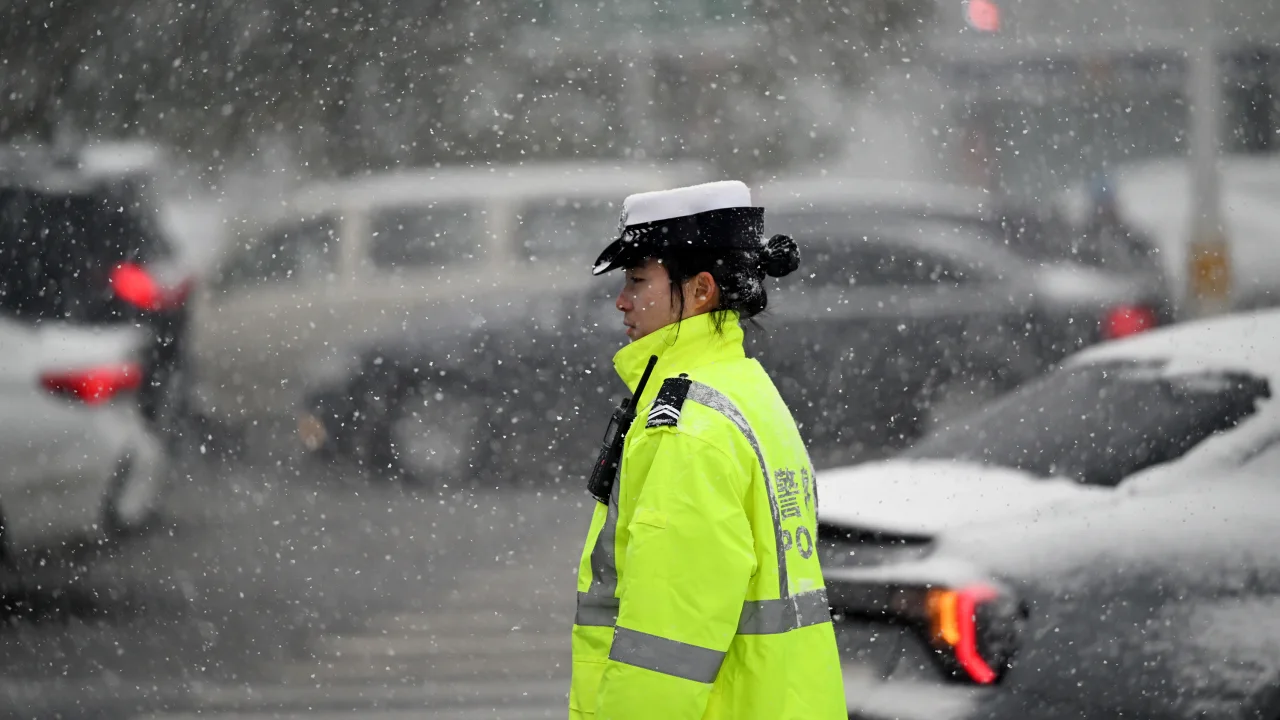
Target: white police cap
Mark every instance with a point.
(712, 215)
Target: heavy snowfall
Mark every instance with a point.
(304, 369)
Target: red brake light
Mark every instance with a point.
(1127, 320)
(971, 661)
(133, 284)
(94, 385)
(953, 621)
(983, 15)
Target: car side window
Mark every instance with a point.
(836, 263)
(871, 262)
(905, 267)
(433, 235)
(296, 252)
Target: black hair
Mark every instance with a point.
(739, 274)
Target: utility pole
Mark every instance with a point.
(1209, 282)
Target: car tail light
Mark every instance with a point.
(975, 628)
(94, 385)
(133, 284)
(982, 15)
(1127, 320)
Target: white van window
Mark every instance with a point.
(426, 235)
(566, 229)
(295, 252)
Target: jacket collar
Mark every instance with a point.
(681, 347)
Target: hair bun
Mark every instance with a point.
(781, 256)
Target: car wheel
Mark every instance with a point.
(431, 439)
(132, 501)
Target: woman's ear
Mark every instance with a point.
(701, 294)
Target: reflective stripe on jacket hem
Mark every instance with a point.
(759, 617)
(669, 657)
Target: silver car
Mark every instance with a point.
(79, 461)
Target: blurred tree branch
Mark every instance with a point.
(366, 84)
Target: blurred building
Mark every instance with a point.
(749, 86)
(1045, 94)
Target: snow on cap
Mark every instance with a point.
(650, 207)
(707, 216)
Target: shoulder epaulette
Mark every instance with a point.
(665, 411)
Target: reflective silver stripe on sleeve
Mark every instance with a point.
(598, 606)
(714, 399)
(668, 657)
(774, 617)
(596, 611)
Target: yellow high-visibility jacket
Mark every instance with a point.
(699, 590)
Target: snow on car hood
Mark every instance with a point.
(1185, 529)
(923, 497)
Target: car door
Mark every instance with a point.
(419, 265)
(973, 301)
(836, 339)
(270, 308)
(27, 419)
(59, 451)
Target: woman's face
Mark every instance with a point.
(646, 302)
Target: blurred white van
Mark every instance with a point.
(335, 262)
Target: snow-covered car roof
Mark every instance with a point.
(1245, 342)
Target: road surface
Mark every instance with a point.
(273, 592)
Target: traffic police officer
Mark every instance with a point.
(699, 589)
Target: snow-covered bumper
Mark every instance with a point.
(872, 698)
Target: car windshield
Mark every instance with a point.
(56, 250)
(1100, 423)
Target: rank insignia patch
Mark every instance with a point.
(665, 411)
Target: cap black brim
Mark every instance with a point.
(614, 256)
(727, 228)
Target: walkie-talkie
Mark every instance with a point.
(605, 473)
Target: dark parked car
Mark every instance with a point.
(1158, 602)
(88, 249)
(889, 311)
(1154, 599)
(1103, 416)
(900, 320)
